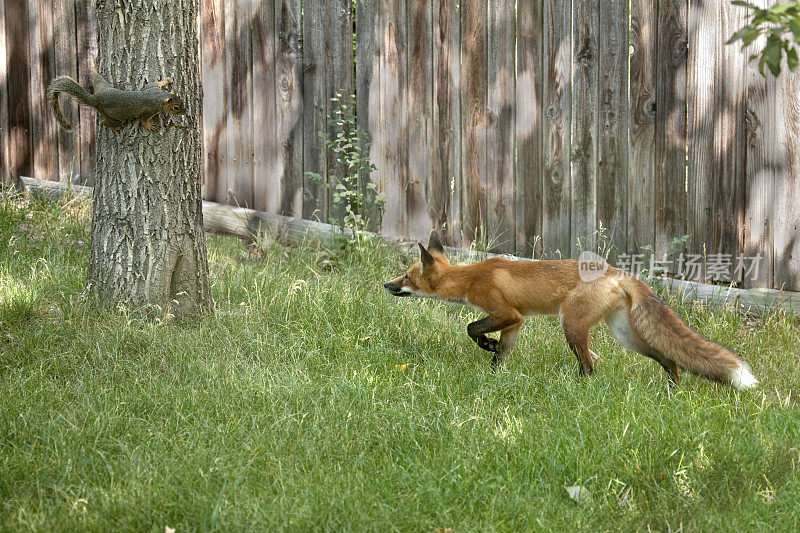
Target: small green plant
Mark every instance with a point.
(353, 195)
(659, 270)
(781, 24)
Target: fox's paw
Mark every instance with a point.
(490, 345)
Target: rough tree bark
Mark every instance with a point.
(148, 249)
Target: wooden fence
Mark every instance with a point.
(533, 126)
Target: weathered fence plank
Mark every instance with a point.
(368, 88)
(613, 120)
(474, 120)
(670, 132)
(583, 183)
(528, 123)
(315, 197)
(215, 119)
(289, 102)
(86, 28)
(43, 133)
(786, 219)
(641, 160)
(67, 144)
(500, 127)
(420, 118)
(556, 238)
(339, 77)
(20, 148)
(266, 171)
(701, 123)
(392, 131)
(716, 140)
(4, 138)
(445, 198)
(730, 173)
(764, 162)
(239, 128)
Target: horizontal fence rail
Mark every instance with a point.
(535, 127)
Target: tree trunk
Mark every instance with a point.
(148, 249)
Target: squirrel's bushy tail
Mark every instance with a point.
(667, 337)
(67, 85)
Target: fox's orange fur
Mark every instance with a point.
(509, 290)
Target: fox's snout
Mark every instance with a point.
(392, 287)
(395, 287)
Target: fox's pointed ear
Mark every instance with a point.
(426, 258)
(435, 243)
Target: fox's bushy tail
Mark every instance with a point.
(667, 336)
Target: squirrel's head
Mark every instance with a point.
(173, 105)
(423, 276)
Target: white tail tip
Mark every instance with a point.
(742, 378)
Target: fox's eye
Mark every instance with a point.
(406, 277)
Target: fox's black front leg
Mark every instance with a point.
(509, 325)
(477, 331)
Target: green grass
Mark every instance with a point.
(290, 408)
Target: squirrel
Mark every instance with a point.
(117, 106)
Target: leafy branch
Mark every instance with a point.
(350, 146)
(780, 23)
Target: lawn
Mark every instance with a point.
(314, 400)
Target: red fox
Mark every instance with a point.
(509, 290)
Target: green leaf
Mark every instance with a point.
(791, 59)
(794, 26)
(772, 53)
(747, 35)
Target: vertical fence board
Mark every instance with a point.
(86, 28)
(731, 171)
(4, 138)
(474, 103)
(420, 118)
(215, 113)
(670, 138)
(787, 185)
(368, 88)
(266, 172)
(701, 122)
(716, 143)
(641, 175)
(558, 116)
(500, 193)
(764, 162)
(614, 118)
(339, 75)
(528, 124)
(66, 63)
(43, 132)
(583, 187)
(445, 198)
(239, 128)
(315, 199)
(289, 102)
(20, 154)
(392, 131)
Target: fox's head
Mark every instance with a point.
(422, 279)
